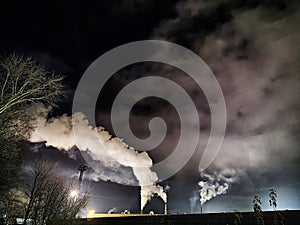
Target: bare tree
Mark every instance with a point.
(50, 196)
(23, 81)
(23, 84)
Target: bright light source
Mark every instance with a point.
(91, 214)
(73, 193)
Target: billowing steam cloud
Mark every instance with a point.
(147, 192)
(251, 50)
(215, 184)
(103, 149)
(209, 190)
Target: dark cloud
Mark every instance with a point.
(250, 48)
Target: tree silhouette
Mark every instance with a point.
(24, 87)
(278, 218)
(50, 195)
(258, 210)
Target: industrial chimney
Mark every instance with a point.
(166, 209)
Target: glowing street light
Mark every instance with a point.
(74, 194)
(91, 214)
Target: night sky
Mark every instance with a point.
(251, 46)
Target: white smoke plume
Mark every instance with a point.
(215, 184)
(252, 53)
(103, 149)
(209, 190)
(112, 210)
(147, 192)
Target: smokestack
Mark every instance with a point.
(141, 204)
(166, 209)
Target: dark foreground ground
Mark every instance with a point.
(290, 218)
